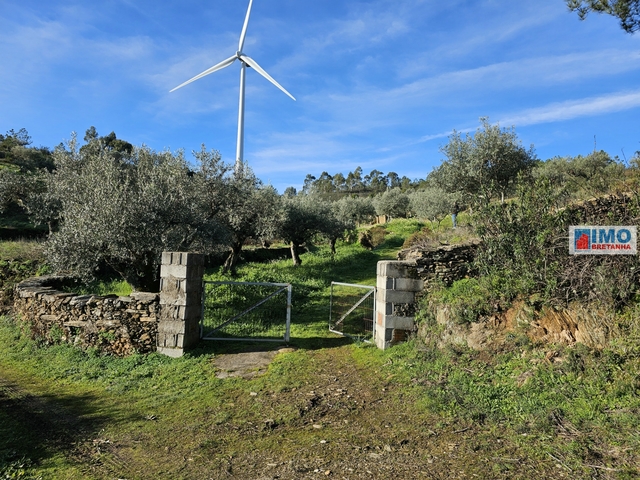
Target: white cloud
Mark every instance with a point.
(568, 110)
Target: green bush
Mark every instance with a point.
(467, 299)
(524, 248)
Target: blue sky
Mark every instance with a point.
(379, 84)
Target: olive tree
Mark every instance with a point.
(20, 167)
(251, 210)
(432, 203)
(588, 175)
(301, 218)
(123, 212)
(393, 203)
(483, 165)
(337, 225)
(358, 210)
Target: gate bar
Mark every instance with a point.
(371, 290)
(287, 333)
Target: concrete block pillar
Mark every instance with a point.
(397, 287)
(180, 302)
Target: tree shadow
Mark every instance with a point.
(34, 428)
(224, 347)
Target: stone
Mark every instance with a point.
(144, 297)
(38, 302)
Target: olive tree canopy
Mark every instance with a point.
(251, 210)
(122, 211)
(432, 203)
(393, 203)
(301, 218)
(483, 165)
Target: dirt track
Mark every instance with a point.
(346, 424)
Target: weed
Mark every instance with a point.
(103, 287)
(17, 469)
(22, 250)
(107, 336)
(467, 299)
(55, 334)
(430, 238)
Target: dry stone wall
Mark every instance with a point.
(446, 263)
(167, 322)
(115, 325)
(621, 207)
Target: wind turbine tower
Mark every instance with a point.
(245, 62)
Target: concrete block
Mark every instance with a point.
(180, 313)
(409, 284)
(396, 269)
(385, 283)
(173, 291)
(399, 323)
(379, 336)
(171, 327)
(178, 271)
(404, 284)
(384, 308)
(384, 338)
(167, 258)
(182, 258)
(195, 273)
(169, 300)
(180, 288)
(171, 352)
(191, 339)
(193, 259)
(395, 296)
(189, 313)
(191, 285)
(167, 340)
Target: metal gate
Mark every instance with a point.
(249, 311)
(352, 309)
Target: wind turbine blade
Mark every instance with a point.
(219, 66)
(244, 27)
(252, 63)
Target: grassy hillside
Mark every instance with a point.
(328, 409)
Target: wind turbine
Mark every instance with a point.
(245, 62)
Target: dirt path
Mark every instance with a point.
(246, 365)
(348, 422)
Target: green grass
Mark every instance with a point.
(434, 234)
(15, 223)
(523, 411)
(104, 287)
(22, 250)
(312, 280)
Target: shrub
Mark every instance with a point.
(468, 299)
(525, 250)
(125, 211)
